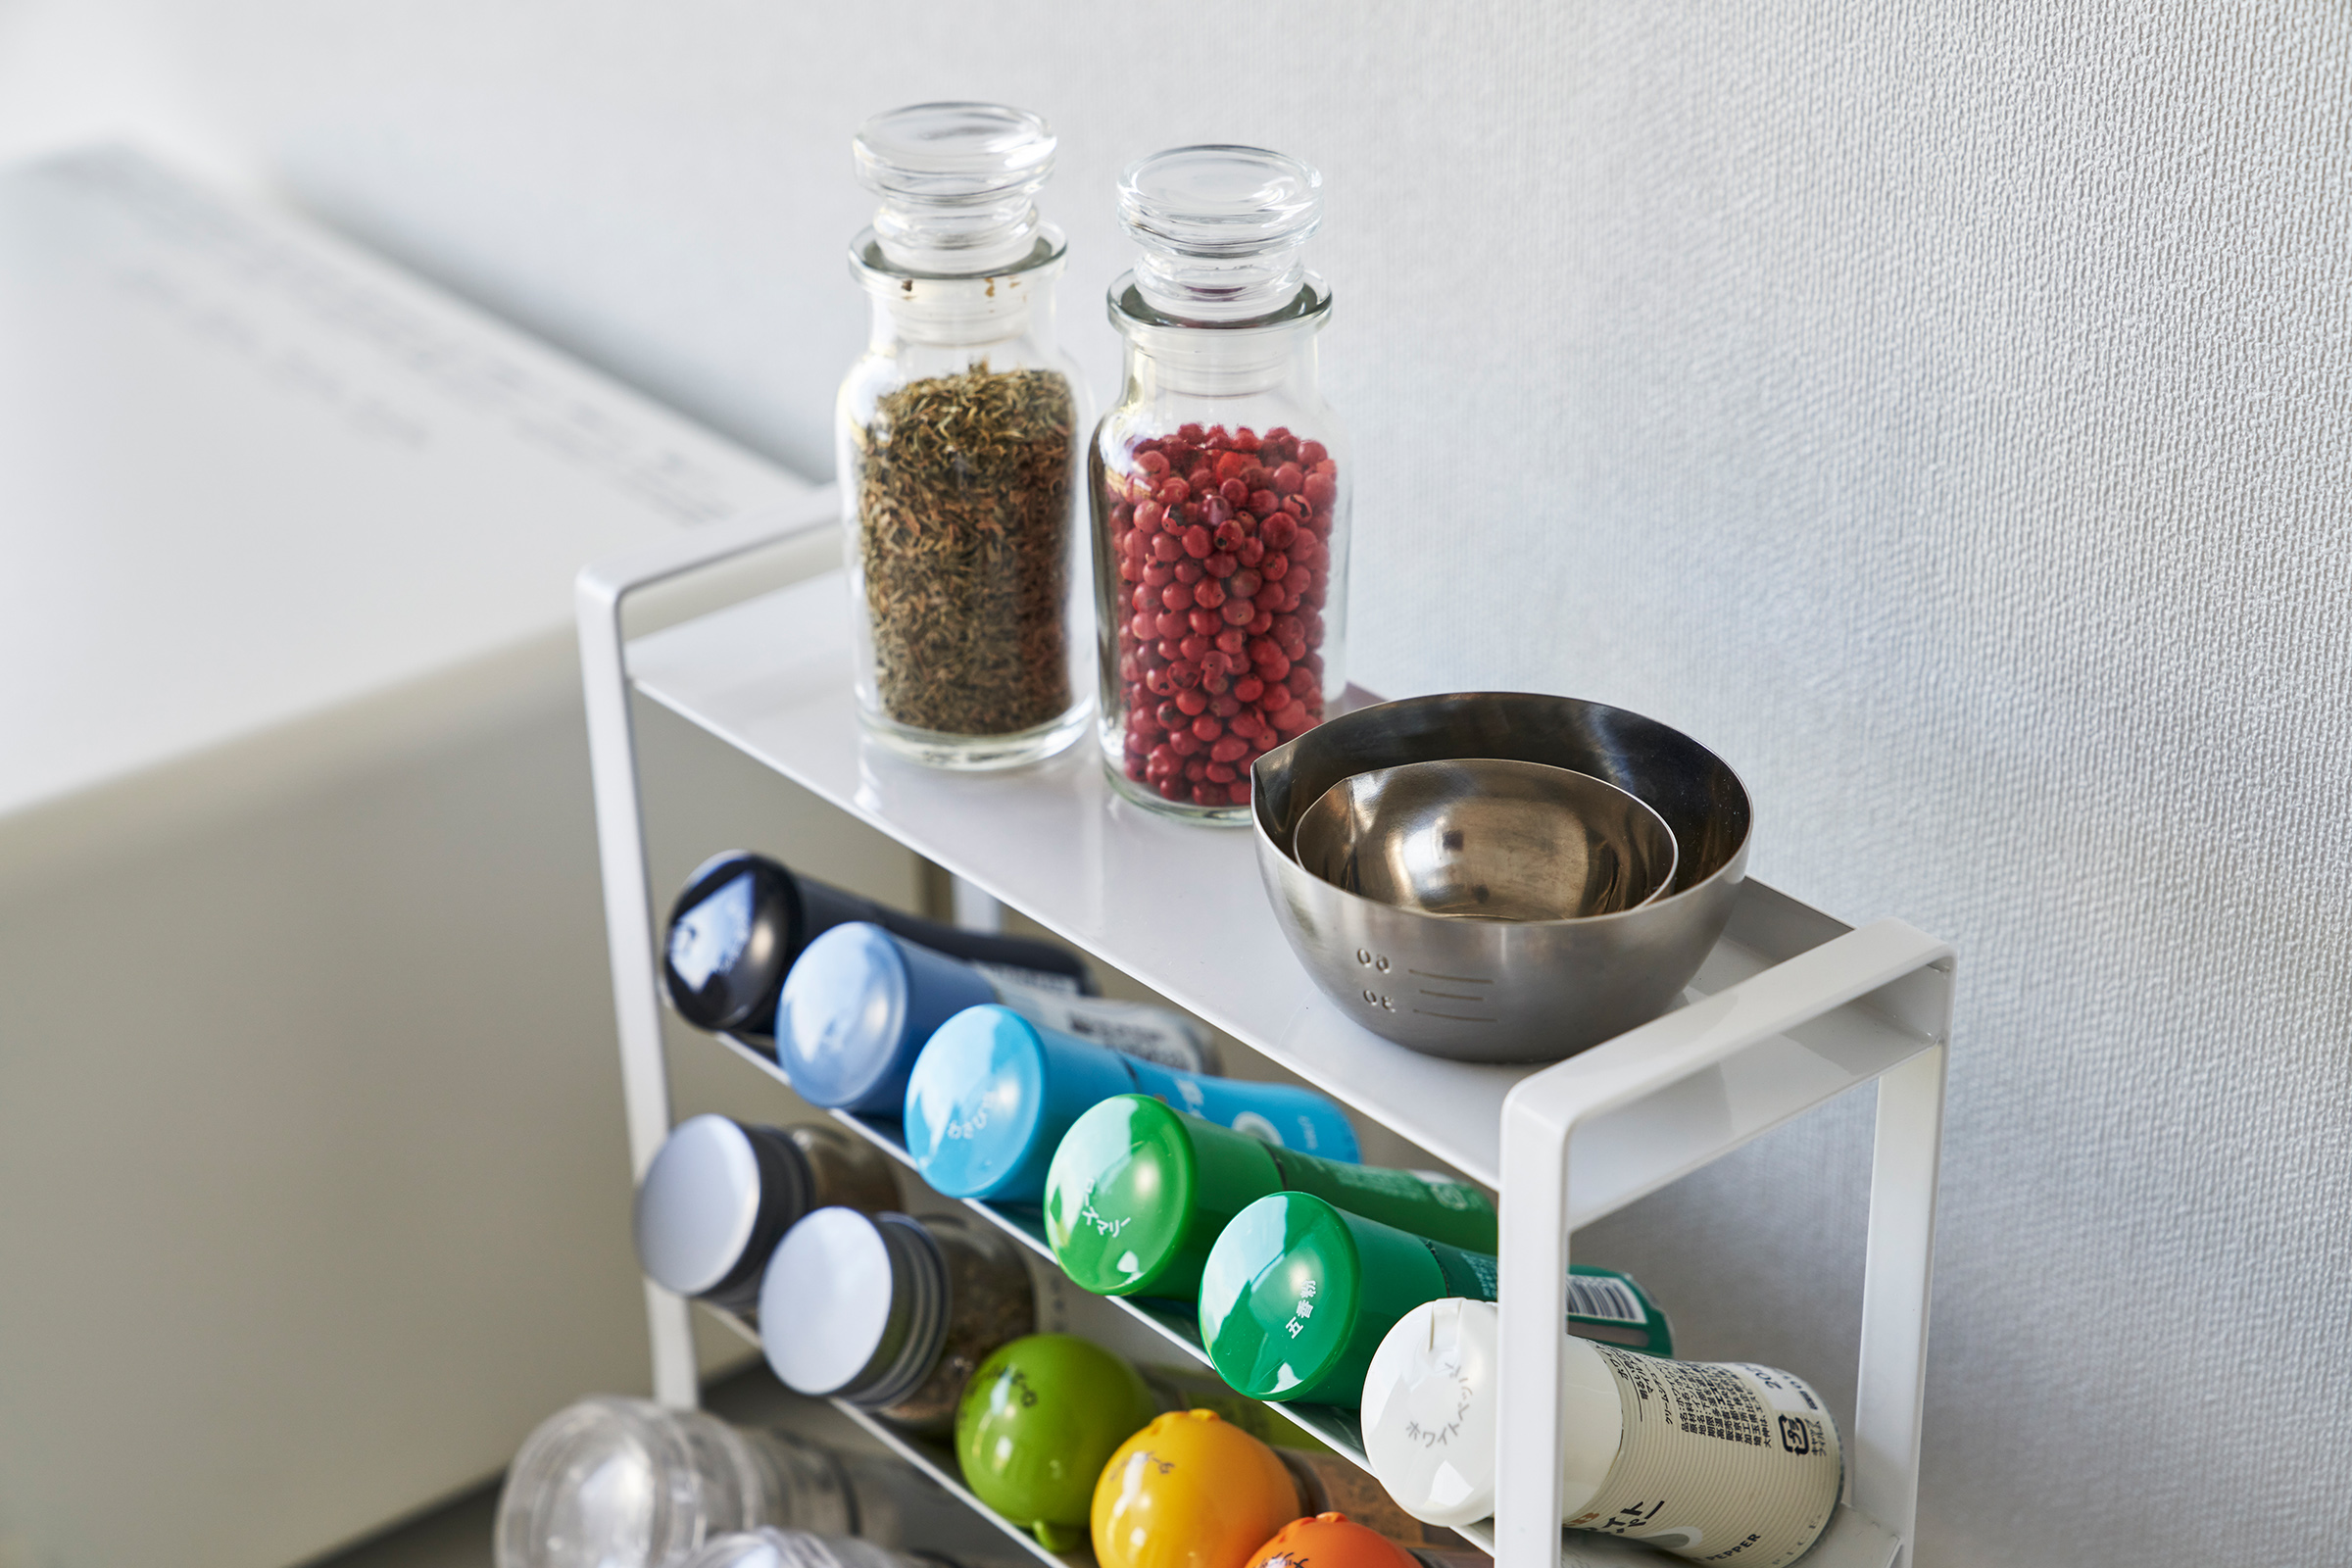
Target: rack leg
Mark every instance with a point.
(1883, 1459)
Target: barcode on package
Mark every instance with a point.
(1609, 1300)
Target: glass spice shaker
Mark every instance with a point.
(1220, 484)
(957, 436)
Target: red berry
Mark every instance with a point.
(1166, 547)
(1287, 481)
(1238, 792)
(1210, 594)
(1170, 625)
(1312, 453)
(1249, 688)
(1197, 542)
(1222, 564)
(1174, 492)
(1320, 488)
(1265, 503)
(1239, 611)
(1205, 623)
(1229, 466)
(1189, 704)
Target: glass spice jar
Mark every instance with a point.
(1219, 485)
(958, 434)
(891, 1312)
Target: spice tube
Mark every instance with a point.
(1219, 483)
(1190, 1491)
(799, 1548)
(721, 1194)
(958, 434)
(890, 1313)
(1037, 1423)
(861, 1003)
(1297, 1294)
(1138, 1192)
(743, 918)
(1718, 1462)
(992, 1094)
(613, 1483)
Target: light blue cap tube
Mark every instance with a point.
(991, 1095)
(1295, 1118)
(857, 1007)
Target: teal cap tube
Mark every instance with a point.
(992, 1094)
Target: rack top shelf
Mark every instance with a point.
(1181, 907)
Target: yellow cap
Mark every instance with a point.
(1190, 1491)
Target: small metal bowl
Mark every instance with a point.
(1505, 990)
(1487, 839)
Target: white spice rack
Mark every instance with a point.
(1791, 1009)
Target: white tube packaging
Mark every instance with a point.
(1136, 1029)
(1719, 1462)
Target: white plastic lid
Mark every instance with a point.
(1429, 1414)
(824, 1304)
(698, 1206)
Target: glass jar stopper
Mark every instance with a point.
(1222, 228)
(958, 185)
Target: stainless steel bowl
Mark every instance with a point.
(1505, 990)
(1487, 839)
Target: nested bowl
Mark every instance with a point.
(1481, 990)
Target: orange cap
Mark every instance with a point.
(1330, 1541)
(1190, 1491)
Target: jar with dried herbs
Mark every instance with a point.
(1219, 485)
(958, 435)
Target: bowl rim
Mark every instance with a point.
(1733, 863)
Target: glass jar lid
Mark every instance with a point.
(1222, 228)
(959, 183)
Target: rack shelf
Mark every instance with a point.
(1791, 1009)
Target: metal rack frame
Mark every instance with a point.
(1794, 1009)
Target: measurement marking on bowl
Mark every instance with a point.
(1452, 1017)
(1450, 995)
(1457, 979)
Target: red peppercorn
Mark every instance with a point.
(1280, 532)
(1197, 542)
(1239, 611)
(1228, 536)
(1207, 728)
(1171, 626)
(1232, 639)
(1233, 492)
(1176, 596)
(1166, 547)
(1205, 623)
(1151, 462)
(1320, 489)
(1251, 553)
(1249, 688)
(1287, 481)
(1190, 704)
(1265, 503)
(1222, 564)
(1174, 492)
(1158, 574)
(1188, 570)
(1219, 770)
(1193, 646)
(1229, 465)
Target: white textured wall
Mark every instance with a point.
(1940, 411)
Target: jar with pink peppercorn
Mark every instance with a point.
(1220, 484)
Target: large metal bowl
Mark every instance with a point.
(1481, 990)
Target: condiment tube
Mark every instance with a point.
(1718, 1462)
(1137, 1192)
(992, 1094)
(860, 1002)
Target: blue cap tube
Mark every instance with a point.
(992, 1094)
(857, 1007)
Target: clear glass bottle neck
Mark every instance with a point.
(1222, 358)
(969, 310)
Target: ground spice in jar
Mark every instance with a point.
(1221, 544)
(963, 520)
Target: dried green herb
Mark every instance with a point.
(963, 535)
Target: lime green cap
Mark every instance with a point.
(1037, 1423)
(1138, 1192)
(1296, 1294)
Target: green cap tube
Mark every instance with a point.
(1297, 1292)
(1139, 1192)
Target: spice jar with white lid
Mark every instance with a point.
(891, 1312)
(1219, 485)
(958, 434)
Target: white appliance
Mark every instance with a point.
(313, 1190)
